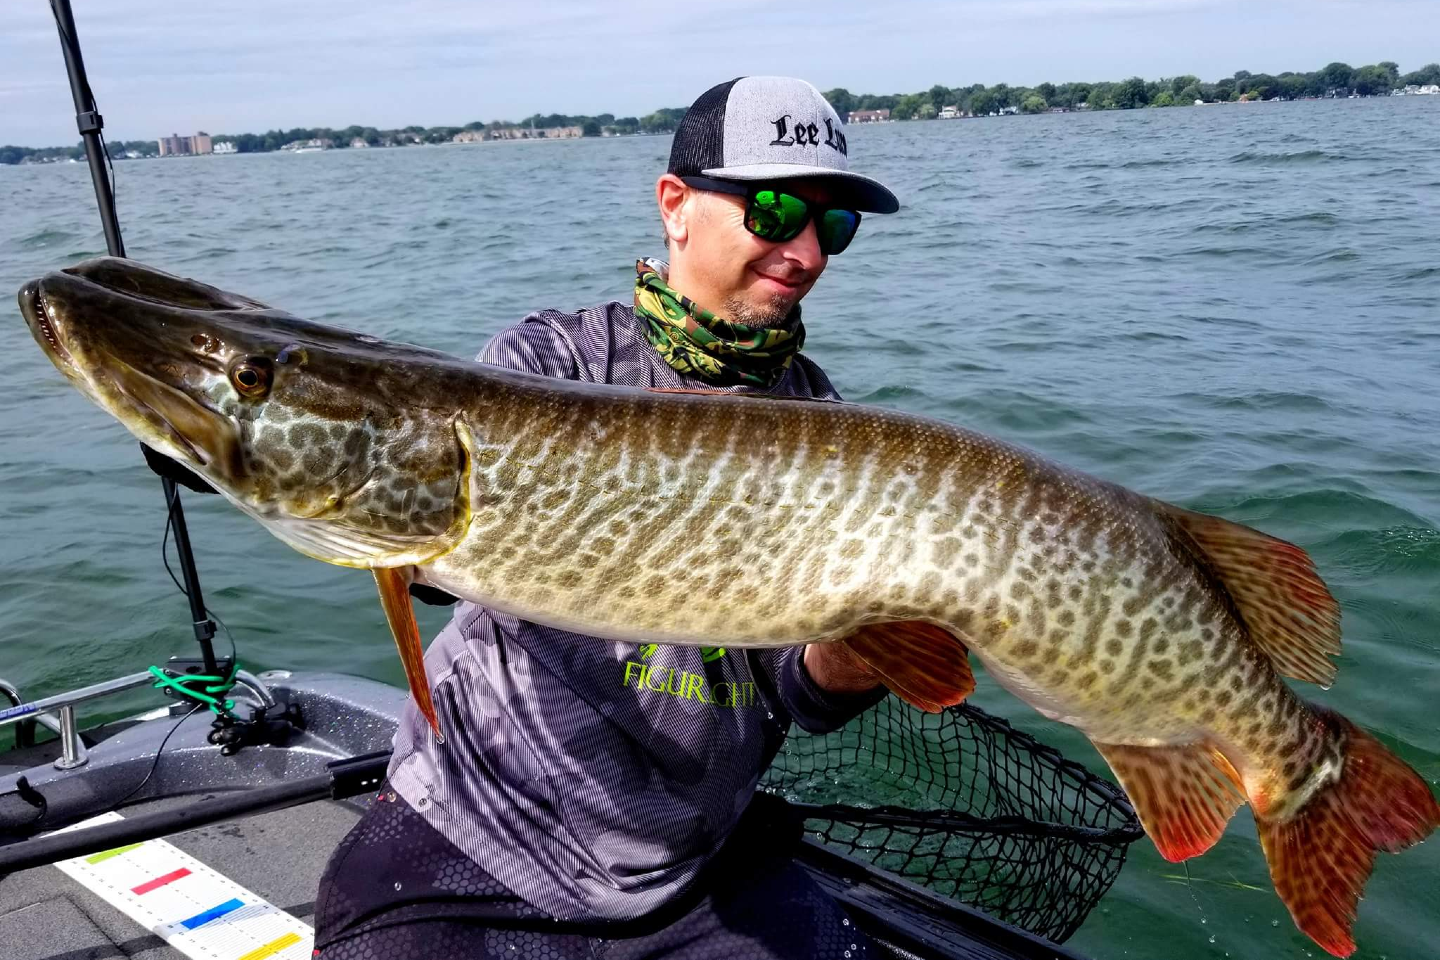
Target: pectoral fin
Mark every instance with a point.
(924, 665)
(395, 599)
(1184, 794)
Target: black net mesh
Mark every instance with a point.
(976, 811)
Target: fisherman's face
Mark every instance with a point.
(732, 272)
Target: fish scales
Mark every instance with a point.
(726, 520)
(1119, 621)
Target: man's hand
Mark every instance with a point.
(836, 670)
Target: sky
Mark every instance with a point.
(238, 66)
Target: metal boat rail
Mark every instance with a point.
(57, 713)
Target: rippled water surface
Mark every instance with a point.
(1233, 308)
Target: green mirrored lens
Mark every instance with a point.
(776, 216)
(836, 230)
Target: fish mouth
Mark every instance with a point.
(42, 326)
(174, 421)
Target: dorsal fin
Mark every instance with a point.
(1286, 607)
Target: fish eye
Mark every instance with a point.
(252, 376)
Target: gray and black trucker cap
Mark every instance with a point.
(770, 128)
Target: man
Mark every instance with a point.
(594, 798)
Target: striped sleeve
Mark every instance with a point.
(533, 346)
(813, 709)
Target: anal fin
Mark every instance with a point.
(1184, 794)
(395, 599)
(925, 665)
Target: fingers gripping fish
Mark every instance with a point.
(1164, 635)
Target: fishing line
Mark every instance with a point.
(165, 559)
(1190, 888)
(156, 762)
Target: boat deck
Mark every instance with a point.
(279, 856)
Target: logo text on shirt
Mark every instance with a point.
(685, 685)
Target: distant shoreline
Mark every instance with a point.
(1334, 81)
(77, 159)
(69, 160)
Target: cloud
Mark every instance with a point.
(232, 66)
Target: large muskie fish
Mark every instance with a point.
(728, 520)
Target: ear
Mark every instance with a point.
(670, 195)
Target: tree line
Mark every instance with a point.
(1333, 80)
(663, 120)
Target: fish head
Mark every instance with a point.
(339, 443)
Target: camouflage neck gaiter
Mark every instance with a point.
(697, 342)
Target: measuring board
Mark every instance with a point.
(199, 912)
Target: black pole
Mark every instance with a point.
(88, 119)
(346, 778)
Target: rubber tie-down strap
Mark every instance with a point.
(215, 687)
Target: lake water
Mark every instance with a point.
(1233, 308)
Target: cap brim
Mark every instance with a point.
(869, 195)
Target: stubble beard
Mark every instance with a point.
(766, 317)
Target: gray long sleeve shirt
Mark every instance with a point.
(594, 779)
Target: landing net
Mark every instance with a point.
(978, 811)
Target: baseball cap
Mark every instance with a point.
(771, 128)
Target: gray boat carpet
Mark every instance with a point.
(44, 915)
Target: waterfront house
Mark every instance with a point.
(532, 133)
(868, 116)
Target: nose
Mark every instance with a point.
(804, 249)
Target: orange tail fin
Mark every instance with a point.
(1320, 857)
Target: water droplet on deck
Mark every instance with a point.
(1212, 938)
(1274, 923)
(397, 885)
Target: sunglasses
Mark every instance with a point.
(774, 215)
